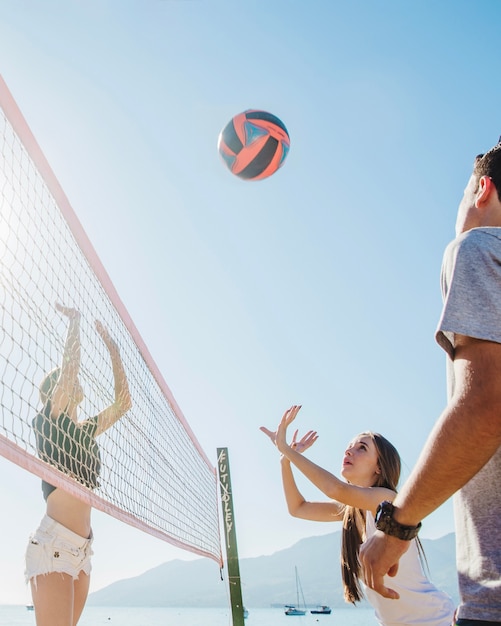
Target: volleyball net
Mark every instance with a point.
(154, 475)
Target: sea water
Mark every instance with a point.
(142, 616)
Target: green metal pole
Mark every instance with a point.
(230, 535)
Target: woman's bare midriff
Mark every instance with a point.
(69, 511)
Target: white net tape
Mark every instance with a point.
(154, 474)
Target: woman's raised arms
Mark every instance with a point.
(344, 493)
(122, 403)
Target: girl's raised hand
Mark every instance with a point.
(305, 442)
(272, 434)
(281, 435)
(70, 312)
(106, 337)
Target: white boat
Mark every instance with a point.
(291, 610)
(295, 609)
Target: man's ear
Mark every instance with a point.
(484, 191)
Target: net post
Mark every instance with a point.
(230, 536)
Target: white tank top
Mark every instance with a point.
(420, 601)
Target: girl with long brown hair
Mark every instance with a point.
(371, 471)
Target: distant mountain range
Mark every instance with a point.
(266, 580)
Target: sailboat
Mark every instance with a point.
(295, 610)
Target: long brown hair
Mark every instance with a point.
(354, 519)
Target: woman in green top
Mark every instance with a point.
(58, 555)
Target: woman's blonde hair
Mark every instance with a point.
(354, 519)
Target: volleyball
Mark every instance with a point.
(254, 144)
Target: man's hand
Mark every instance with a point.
(379, 557)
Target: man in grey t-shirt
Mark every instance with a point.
(463, 453)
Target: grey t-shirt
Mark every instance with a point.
(471, 288)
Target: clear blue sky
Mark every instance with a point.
(318, 286)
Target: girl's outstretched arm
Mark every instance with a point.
(366, 498)
(122, 403)
(299, 507)
(67, 389)
(296, 504)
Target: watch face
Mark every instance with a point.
(384, 511)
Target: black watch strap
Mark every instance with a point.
(385, 522)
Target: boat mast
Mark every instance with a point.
(297, 588)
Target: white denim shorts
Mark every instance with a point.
(55, 548)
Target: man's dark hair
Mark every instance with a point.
(489, 164)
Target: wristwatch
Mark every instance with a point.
(385, 522)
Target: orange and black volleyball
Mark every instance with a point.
(254, 144)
